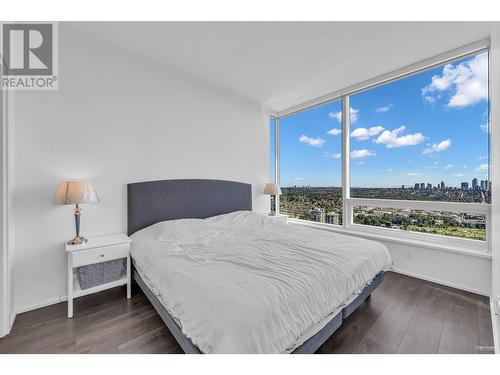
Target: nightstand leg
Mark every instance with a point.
(128, 278)
(70, 288)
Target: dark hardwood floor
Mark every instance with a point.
(404, 315)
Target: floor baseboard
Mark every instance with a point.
(437, 281)
(41, 304)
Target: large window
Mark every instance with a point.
(311, 164)
(424, 137)
(418, 156)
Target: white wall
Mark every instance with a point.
(6, 228)
(115, 119)
(495, 162)
(458, 270)
(4, 266)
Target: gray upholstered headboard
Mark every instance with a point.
(154, 201)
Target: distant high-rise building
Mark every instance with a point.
(484, 185)
(429, 186)
(332, 218)
(442, 186)
(317, 214)
(464, 186)
(402, 186)
(417, 185)
(422, 185)
(474, 184)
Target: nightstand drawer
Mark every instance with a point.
(98, 255)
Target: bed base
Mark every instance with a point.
(367, 291)
(308, 347)
(314, 342)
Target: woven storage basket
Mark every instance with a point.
(100, 273)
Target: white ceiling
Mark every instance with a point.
(282, 64)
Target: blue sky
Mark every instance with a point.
(424, 128)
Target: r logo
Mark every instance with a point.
(27, 49)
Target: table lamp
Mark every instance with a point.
(76, 192)
(272, 189)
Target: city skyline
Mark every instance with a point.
(484, 185)
(429, 127)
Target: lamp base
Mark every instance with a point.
(77, 241)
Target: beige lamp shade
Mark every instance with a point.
(75, 192)
(272, 189)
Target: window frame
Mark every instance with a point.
(349, 203)
(276, 178)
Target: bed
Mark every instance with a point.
(227, 280)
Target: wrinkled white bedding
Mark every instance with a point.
(242, 283)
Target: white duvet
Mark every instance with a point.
(242, 283)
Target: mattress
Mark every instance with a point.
(243, 283)
(310, 332)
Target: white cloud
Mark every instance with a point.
(386, 108)
(389, 169)
(448, 166)
(360, 162)
(459, 175)
(332, 155)
(392, 139)
(434, 165)
(354, 115)
(484, 127)
(482, 157)
(315, 142)
(467, 83)
(429, 99)
(366, 133)
(298, 178)
(360, 154)
(334, 131)
(437, 147)
(482, 168)
(414, 174)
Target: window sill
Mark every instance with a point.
(394, 239)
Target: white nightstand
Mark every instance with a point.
(96, 250)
